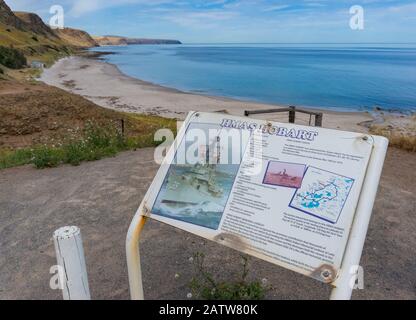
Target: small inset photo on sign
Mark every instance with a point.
(323, 194)
(284, 174)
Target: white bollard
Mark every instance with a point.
(71, 260)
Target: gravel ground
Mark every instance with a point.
(101, 198)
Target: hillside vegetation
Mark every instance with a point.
(12, 58)
(76, 38)
(47, 126)
(27, 33)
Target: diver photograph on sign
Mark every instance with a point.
(197, 193)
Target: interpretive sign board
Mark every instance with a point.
(284, 193)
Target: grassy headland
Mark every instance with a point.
(27, 33)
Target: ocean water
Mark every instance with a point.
(345, 78)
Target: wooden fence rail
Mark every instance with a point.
(292, 114)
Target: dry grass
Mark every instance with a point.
(36, 119)
(401, 131)
(33, 114)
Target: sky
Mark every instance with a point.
(237, 21)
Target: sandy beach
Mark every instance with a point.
(104, 84)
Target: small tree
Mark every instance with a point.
(12, 58)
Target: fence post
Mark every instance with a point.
(122, 128)
(319, 120)
(71, 261)
(292, 114)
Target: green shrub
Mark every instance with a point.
(15, 158)
(12, 58)
(97, 141)
(97, 136)
(204, 286)
(75, 153)
(46, 157)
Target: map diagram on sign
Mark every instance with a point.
(323, 194)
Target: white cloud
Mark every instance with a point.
(81, 7)
(276, 8)
(206, 19)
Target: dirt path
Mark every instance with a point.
(101, 198)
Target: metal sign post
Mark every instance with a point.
(342, 280)
(344, 285)
(133, 257)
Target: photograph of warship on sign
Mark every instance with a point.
(198, 193)
(283, 174)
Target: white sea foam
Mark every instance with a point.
(191, 210)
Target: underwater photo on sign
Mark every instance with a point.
(196, 190)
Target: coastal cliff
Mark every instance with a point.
(7, 17)
(124, 41)
(26, 33)
(77, 38)
(35, 24)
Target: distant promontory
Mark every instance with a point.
(124, 41)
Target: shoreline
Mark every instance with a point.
(96, 55)
(104, 84)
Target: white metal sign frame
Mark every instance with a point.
(343, 284)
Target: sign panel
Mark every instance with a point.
(280, 192)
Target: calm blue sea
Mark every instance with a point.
(337, 77)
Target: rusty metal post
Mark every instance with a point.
(134, 267)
